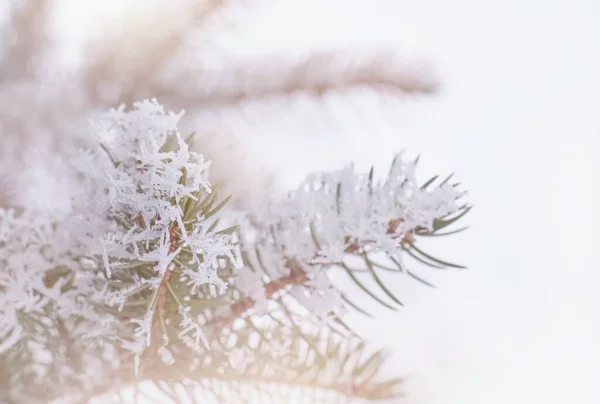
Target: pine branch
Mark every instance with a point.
(336, 215)
(162, 263)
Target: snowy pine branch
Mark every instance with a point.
(139, 253)
(119, 266)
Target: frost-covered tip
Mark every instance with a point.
(333, 214)
(149, 169)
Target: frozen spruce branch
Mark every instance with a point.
(331, 220)
(138, 280)
(331, 217)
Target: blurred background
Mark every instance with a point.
(517, 118)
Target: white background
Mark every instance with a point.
(518, 121)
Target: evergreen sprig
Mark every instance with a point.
(146, 285)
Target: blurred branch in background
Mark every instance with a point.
(24, 38)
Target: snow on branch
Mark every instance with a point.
(331, 211)
(330, 216)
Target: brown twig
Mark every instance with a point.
(296, 277)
